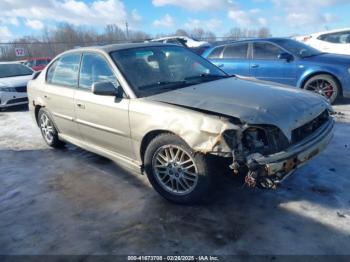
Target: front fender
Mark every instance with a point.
(334, 71)
(202, 132)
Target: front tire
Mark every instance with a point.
(175, 171)
(48, 129)
(324, 85)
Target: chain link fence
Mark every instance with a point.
(18, 51)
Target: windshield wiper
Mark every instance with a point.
(206, 76)
(164, 85)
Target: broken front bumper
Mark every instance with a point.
(278, 166)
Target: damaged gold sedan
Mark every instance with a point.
(164, 110)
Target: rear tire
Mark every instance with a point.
(324, 85)
(175, 171)
(48, 129)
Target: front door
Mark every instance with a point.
(103, 120)
(265, 64)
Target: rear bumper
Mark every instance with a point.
(278, 166)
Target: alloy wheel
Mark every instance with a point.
(47, 128)
(324, 88)
(175, 169)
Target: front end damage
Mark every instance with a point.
(265, 155)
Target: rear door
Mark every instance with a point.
(265, 64)
(61, 83)
(103, 120)
(235, 59)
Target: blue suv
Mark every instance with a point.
(285, 61)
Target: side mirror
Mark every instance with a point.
(107, 89)
(285, 56)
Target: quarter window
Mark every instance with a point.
(236, 51)
(64, 71)
(216, 53)
(94, 69)
(266, 51)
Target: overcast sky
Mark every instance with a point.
(283, 17)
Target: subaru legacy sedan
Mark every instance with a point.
(165, 111)
(288, 62)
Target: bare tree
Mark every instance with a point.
(264, 32)
(209, 36)
(198, 33)
(181, 32)
(239, 33)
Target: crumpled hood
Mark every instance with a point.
(252, 102)
(15, 81)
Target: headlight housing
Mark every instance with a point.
(7, 89)
(264, 139)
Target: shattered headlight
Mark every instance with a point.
(255, 139)
(264, 139)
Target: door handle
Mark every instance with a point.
(220, 65)
(82, 106)
(255, 66)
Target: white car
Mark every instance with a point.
(13, 83)
(181, 40)
(335, 41)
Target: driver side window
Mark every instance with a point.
(94, 68)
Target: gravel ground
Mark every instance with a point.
(71, 201)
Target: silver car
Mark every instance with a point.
(164, 110)
(13, 84)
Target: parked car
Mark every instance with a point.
(197, 46)
(13, 84)
(288, 62)
(164, 110)
(37, 64)
(335, 41)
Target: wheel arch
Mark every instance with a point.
(148, 138)
(309, 76)
(36, 113)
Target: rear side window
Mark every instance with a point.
(336, 38)
(266, 51)
(64, 71)
(236, 51)
(94, 69)
(216, 52)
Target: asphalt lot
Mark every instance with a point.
(71, 201)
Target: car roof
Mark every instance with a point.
(269, 39)
(171, 37)
(10, 62)
(117, 47)
(332, 31)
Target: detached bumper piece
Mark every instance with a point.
(269, 171)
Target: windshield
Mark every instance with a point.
(10, 70)
(152, 70)
(297, 48)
